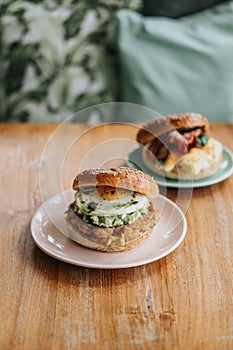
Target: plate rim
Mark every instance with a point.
(101, 265)
(184, 183)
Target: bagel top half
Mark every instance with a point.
(123, 177)
(181, 121)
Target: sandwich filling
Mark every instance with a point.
(106, 206)
(171, 146)
(177, 141)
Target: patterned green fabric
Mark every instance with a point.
(55, 57)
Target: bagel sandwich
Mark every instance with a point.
(178, 146)
(112, 208)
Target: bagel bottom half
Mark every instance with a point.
(111, 239)
(197, 164)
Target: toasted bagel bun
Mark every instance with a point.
(156, 127)
(123, 177)
(119, 236)
(111, 239)
(198, 163)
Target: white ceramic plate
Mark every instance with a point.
(49, 232)
(225, 170)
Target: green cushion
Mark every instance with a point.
(178, 65)
(176, 8)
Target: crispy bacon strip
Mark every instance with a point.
(180, 142)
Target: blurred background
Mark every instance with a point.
(58, 57)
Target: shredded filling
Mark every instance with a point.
(111, 220)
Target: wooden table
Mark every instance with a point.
(182, 301)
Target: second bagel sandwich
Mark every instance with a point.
(178, 146)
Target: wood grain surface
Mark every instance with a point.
(182, 301)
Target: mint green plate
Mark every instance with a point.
(134, 159)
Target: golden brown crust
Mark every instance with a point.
(111, 239)
(124, 177)
(156, 127)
